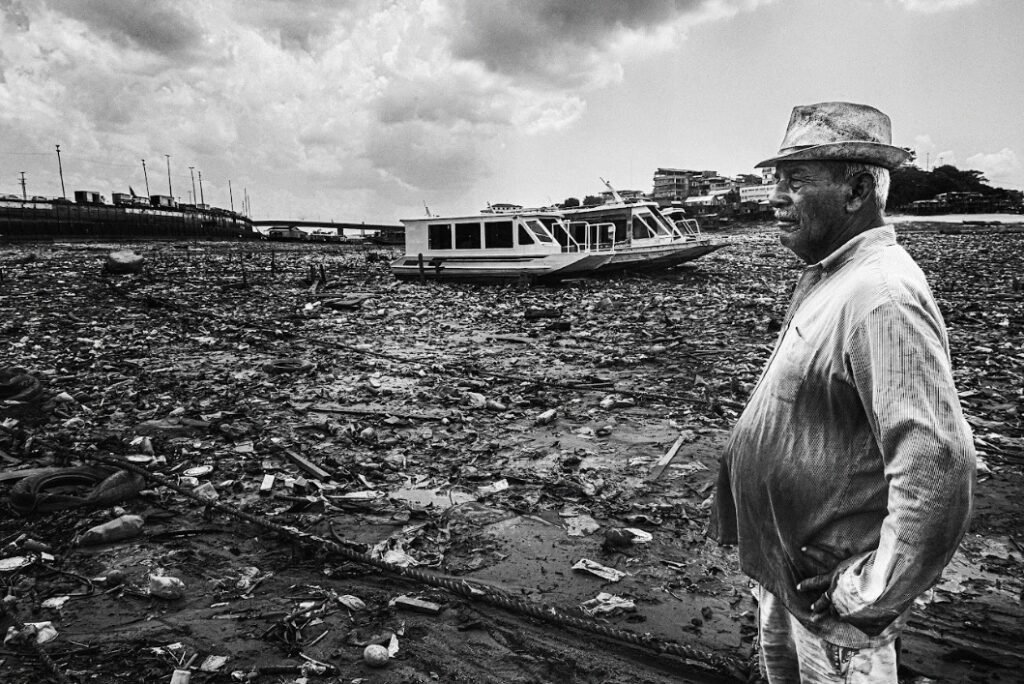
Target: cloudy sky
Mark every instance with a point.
(367, 110)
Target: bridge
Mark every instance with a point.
(340, 227)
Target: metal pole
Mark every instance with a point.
(60, 168)
(193, 183)
(169, 190)
(24, 194)
(202, 200)
(231, 196)
(146, 176)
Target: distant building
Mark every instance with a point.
(88, 197)
(755, 193)
(718, 198)
(162, 201)
(672, 186)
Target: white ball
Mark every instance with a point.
(376, 655)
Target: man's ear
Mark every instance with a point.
(862, 191)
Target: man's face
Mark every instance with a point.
(810, 207)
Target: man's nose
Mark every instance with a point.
(778, 197)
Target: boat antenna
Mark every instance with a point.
(615, 194)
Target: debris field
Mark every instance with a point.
(272, 462)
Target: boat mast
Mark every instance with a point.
(615, 194)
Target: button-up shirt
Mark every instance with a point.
(853, 441)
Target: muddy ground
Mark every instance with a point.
(423, 434)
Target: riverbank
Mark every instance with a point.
(501, 435)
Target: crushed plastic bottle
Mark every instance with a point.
(122, 527)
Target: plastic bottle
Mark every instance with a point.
(123, 527)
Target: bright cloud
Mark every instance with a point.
(932, 6)
(375, 104)
(1003, 168)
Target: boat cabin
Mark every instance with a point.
(521, 233)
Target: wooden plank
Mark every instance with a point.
(416, 605)
(307, 465)
(665, 460)
(376, 411)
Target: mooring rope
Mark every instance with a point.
(471, 590)
(44, 657)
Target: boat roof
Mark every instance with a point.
(608, 206)
(485, 216)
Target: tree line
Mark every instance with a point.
(909, 184)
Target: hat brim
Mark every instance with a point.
(887, 156)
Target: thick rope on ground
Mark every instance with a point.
(470, 590)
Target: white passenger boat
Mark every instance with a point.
(643, 238)
(547, 245)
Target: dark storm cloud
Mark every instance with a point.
(159, 26)
(544, 38)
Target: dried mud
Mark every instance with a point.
(421, 404)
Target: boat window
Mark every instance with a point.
(467, 236)
(664, 223)
(537, 228)
(497, 234)
(525, 236)
(641, 228)
(439, 236)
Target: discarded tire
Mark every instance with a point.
(279, 366)
(99, 487)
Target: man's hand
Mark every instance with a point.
(827, 564)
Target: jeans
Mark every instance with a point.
(790, 654)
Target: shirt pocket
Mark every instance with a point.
(789, 367)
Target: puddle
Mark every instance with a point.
(440, 499)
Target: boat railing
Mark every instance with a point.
(688, 227)
(583, 236)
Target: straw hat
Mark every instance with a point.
(839, 131)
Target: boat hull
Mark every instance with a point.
(657, 257)
(498, 269)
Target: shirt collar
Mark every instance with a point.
(874, 237)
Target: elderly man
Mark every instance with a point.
(847, 482)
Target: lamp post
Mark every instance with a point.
(60, 170)
(169, 190)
